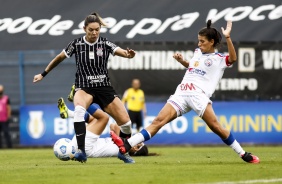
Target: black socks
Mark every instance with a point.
(123, 135)
(80, 131)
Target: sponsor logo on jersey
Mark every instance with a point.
(110, 44)
(69, 50)
(187, 86)
(95, 81)
(196, 71)
(96, 77)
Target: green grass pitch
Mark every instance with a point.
(174, 165)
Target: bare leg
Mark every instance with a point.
(166, 115)
(98, 124)
(117, 110)
(114, 127)
(211, 120)
(226, 136)
(83, 99)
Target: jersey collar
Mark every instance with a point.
(90, 43)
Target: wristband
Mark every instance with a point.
(44, 73)
(227, 37)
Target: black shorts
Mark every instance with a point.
(102, 96)
(136, 117)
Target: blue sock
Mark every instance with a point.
(92, 109)
(145, 134)
(142, 136)
(229, 140)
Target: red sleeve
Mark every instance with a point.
(227, 61)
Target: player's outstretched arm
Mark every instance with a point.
(231, 50)
(59, 58)
(178, 57)
(128, 53)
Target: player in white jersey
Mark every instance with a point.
(95, 146)
(203, 73)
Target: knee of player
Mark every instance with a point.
(99, 114)
(124, 119)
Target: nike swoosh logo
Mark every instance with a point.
(79, 134)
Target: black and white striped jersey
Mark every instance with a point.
(91, 61)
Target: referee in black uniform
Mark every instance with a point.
(92, 80)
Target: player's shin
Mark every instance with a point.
(231, 141)
(79, 127)
(125, 130)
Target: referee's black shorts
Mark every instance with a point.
(102, 96)
(136, 117)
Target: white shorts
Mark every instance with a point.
(96, 147)
(185, 103)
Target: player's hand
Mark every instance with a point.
(178, 56)
(130, 53)
(226, 32)
(37, 78)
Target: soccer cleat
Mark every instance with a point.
(63, 108)
(126, 158)
(248, 157)
(71, 95)
(80, 156)
(119, 142)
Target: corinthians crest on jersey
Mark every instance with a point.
(99, 51)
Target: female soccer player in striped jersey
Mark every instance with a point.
(204, 71)
(92, 80)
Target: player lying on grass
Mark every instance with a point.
(95, 146)
(204, 72)
(96, 114)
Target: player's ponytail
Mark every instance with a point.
(209, 24)
(211, 33)
(94, 17)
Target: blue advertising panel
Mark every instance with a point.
(250, 122)
(42, 125)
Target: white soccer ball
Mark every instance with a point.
(64, 149)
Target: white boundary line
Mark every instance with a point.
(248, 181)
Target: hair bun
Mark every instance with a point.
(94, 13)
(209, 23)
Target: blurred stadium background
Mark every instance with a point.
(248, 99)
